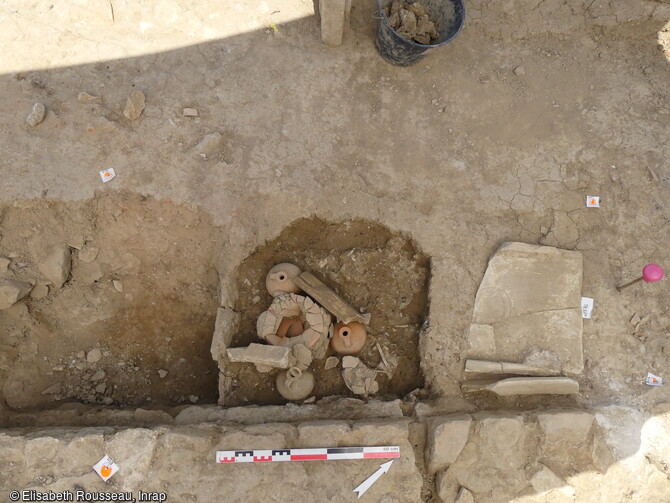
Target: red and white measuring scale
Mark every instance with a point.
(314, 454)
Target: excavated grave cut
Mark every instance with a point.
(159, 315)
(375, 270)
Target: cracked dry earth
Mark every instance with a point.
(498, 136)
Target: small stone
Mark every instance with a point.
(98, 376)
(465, 496)
(39, 292)
(88, 253)
(89, 98)
(100, 388)
(12, 291)
(519, 71)
(107, 400)
(190, 112)
(4, 264)
(311, 399)
(36, 115)
(81, 355)
(94, 355)
(193, 398)
(635, 320)
(54, 389)
(434, 102)
(57, 265)
(331, 362)
(118, 286)
(350, 362)
(162, 373)
(134, 105)
(209, 144)
(264, 369)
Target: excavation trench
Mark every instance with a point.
(132, 323)
(375, 270)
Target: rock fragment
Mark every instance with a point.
(54, 389)
(162, 373)
(98, 376)
(350, 362)
(57, 265)
(445, 440)
(134, 105)
(331, 362)
(12, 291)
(36, 115)
(190, 112)
(210, 144)
(89, 98)
(4, 264)
(118, 285)
(88, 253)
(360, 379)
(545, 480)
(465, 496)
(94, 355)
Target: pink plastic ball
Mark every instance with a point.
(652, 272)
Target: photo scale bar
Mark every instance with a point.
(316, 454)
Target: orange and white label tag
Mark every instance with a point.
(653, 380)
(107, 174)
(592, 201)
(105, 468)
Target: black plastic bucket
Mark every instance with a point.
(400, 51)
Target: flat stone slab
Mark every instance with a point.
(529, 300)
(525, 386)
(272, 356)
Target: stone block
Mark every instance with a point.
(446, 438)
(226, 321)
(545, 480)
(565, 427)
(501, 441)
(273, 356)
(322, 433)
(529, 298)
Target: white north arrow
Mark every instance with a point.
(373, 478)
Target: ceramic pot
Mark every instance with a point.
(348, 339)
(280, 279)
(295, 384)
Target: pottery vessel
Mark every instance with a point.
(295, 384)
(280, 279)
(348, 339)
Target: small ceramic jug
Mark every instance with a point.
(295, 384)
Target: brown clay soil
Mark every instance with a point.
(376, 271)
(160, 255)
